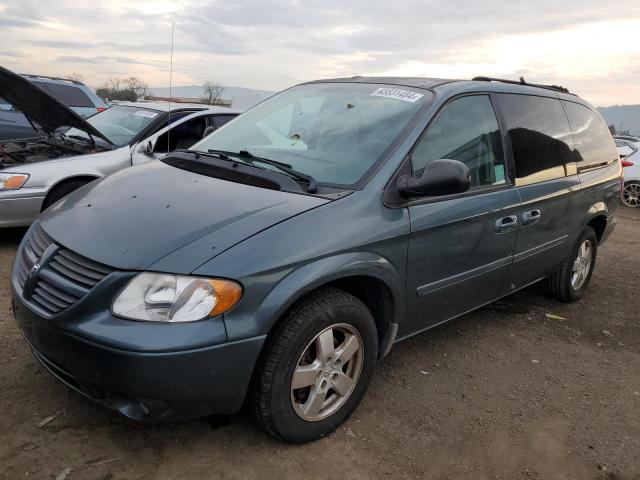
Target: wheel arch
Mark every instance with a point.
(87, 177)
(369, 277)
(598, 218)
(599, 225)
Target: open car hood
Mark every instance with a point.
(39, 106)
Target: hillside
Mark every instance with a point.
(623, 117)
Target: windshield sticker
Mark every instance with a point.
(398, 94)
(145, 113)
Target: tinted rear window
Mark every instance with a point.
(69, 95)
(593, 144)
(540, 137)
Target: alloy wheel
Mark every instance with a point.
(582, 265)
(631, 195)
(327, 372)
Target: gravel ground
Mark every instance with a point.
(502, 393)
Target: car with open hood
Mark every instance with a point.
(70, 151)
(73, 93)
(275, 261)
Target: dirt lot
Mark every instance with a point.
(503, 393)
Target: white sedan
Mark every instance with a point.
(628, 151)
(71, 151)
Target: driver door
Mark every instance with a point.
(460, 246)
(180, 134)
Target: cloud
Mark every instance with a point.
(60, 44)
(98, 59)
(587, 45)
(7, 21)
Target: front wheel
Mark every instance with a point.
(570, 282)
(317, 367)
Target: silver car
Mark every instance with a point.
(71, 151)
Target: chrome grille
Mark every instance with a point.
(64, 277)
(34, 246)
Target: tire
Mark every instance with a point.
(295, 346)
(61, 191)
(565, 284)
(631, 194)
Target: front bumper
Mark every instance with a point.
(18, 208)
(141, 384)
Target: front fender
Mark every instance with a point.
(48, 173)
(248, 321)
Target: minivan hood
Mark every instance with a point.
(39, 106)
(158, 217)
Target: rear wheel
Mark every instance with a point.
(317, 367)
(631, 194)
(570, 282)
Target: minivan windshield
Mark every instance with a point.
(334, 132)
(119, 123)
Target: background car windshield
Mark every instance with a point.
(119, 124)
(332, 131)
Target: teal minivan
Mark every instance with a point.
(278, 259)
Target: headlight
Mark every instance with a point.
(12, 181)
(160, 297)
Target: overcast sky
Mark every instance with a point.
(592, 47)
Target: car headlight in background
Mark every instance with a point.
(12, 181)
(160, 297)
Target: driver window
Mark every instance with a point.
(466, 130)
(181, 136)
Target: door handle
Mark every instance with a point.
(530, 217)
(506, 224)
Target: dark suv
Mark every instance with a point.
(72, 93)
(279, 258)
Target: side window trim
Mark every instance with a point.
(571, 168)
(507, 148)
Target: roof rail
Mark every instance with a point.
(557, 88)
(30, 75)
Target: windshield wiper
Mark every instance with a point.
(84, 139)
(89, 140)
(248, 157)
(248, 154)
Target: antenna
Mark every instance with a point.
(170, 87)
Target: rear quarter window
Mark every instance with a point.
(594, 147)
(220, 120)
(69, 95)
(540, 137)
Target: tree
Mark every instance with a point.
(213, 91)
(137, 86)
(127, 89)
(612, 129)
(76, 77)
(113, 84)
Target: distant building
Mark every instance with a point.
(220, 102)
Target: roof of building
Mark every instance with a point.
(166, 107)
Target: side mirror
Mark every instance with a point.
(440, 177)
(146, 148)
